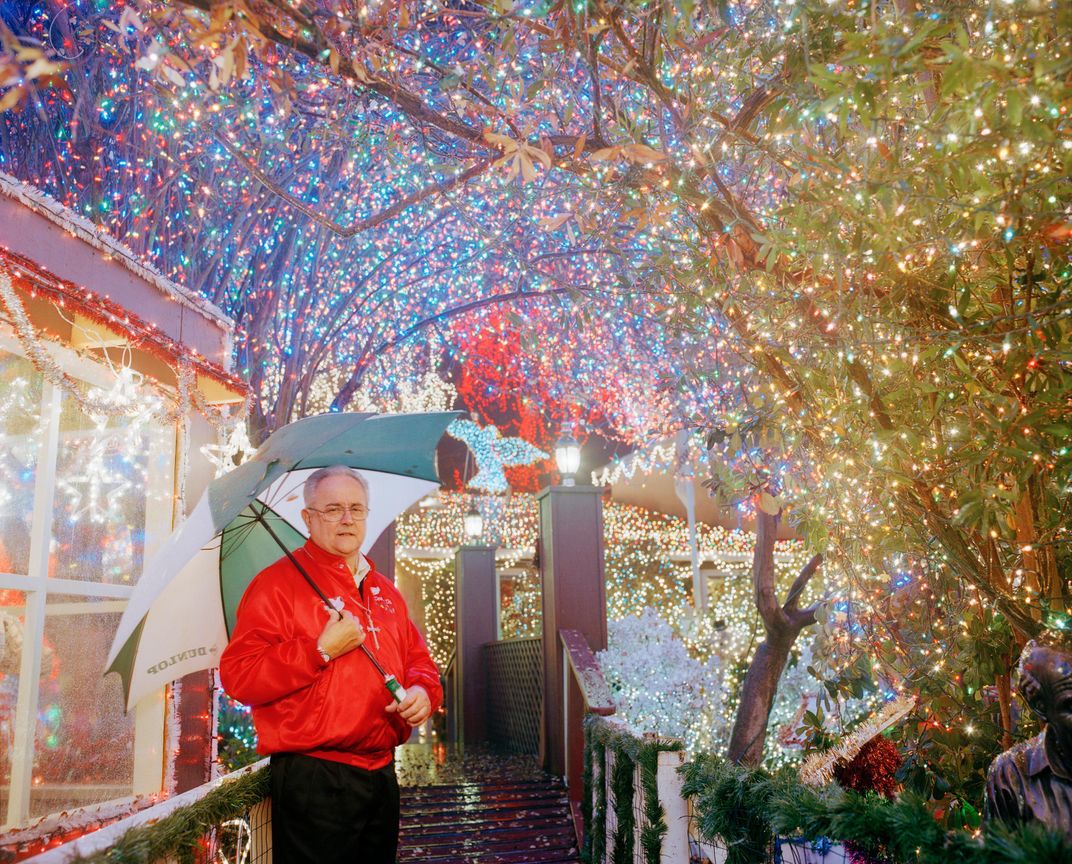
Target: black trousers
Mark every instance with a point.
(326, 812)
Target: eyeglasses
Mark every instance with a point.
(335, 512)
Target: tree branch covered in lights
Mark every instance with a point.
(334, 225)
(866, 201)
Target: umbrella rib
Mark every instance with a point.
(237, 536)
(281, 493)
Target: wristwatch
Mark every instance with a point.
(323, 653)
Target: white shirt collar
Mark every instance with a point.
(363, 569)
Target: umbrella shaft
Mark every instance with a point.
(309, 579)
(375, 662)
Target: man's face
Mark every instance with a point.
(342, 538)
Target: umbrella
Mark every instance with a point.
(181, 612)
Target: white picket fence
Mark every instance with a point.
(675, 847)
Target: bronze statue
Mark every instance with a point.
(1032, 782)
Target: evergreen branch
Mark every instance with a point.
(179, 834)
(745, 809)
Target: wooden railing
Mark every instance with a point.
(584, 691)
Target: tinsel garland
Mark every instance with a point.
(818, 768)
(185, 379)
(109, 314)
(147, 337)
(873, 769)
(42, 360)
(180, 834)
(744, 809)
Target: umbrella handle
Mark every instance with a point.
(397, 690)
(389, 681)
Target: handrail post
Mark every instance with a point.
(574, 593)
(477, 622)
(670, 783)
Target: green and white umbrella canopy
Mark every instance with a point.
(182, 610)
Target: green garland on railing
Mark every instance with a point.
(629, 751)
(179, 834)
(745, 809)
(587, 789)
(595, 832)
(732, 805)
(654, 829)
(621, 784)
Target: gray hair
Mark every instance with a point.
(314, 479)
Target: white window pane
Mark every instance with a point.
(98, 530)
(12, 606)
(20, 409)
(84, 746)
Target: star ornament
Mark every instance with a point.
(235, 449)
(492, 453)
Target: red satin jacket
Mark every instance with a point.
(301, 704)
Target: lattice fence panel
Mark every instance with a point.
(515, 694)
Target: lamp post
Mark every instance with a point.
(568, 458)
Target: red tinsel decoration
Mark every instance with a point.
(872, 769)
(34, 280)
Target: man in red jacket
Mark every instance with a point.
(319, 706)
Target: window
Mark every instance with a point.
(81, 500)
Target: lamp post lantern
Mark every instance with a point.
(568, 458)
(474, 523)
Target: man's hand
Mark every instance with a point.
(415, 708)
(340, 635)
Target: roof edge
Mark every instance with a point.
(57, 213)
